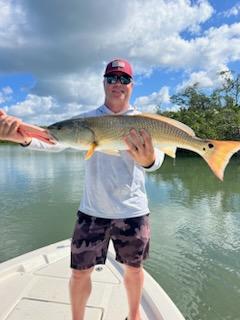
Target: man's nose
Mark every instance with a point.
(118, 81)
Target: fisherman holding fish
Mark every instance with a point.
(114, 204)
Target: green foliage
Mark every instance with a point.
(214, 115)
(7, 142)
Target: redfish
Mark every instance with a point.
(106, 134)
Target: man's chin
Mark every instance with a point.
(119, 95)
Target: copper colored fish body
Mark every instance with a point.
(106, 134)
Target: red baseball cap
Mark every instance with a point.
(119, 65)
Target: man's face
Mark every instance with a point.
(117, 92)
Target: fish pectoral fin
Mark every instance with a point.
(111, 152)
(170, 151)
(91, 150)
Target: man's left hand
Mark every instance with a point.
(140, 147)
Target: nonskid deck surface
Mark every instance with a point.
(35, 287)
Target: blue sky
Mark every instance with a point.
(52, 60)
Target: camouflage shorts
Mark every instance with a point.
(91, 237)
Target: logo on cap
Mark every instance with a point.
(117, 63)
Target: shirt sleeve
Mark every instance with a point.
(36, 144)
(158, 161)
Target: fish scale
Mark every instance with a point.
(162, 133)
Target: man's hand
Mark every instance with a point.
(140, 147)
(9, 129)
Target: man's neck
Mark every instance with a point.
(117, 107)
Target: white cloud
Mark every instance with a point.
(12, 23)
(214, 47)
(66, 52)
(234, 11)
(45, 110)
(2, 100)
(7, 90)
(201, 78)
(153, 101)
(205, 79)
(5, 94)
(32, 104)
(85, 88)
(49, 46)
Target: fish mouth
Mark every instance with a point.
(52, 137)
(47, 137)
(40, 134)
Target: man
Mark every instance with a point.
(114, 204)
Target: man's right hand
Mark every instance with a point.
(9, 129)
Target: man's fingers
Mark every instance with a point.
(2, 113)
(137, 139)
(145, 135)
(10, 126)
(12, 121)
(132, 147)
(147, 140)
(14, 125)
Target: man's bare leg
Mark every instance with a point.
(80, 288)
(133, 280)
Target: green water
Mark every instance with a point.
(195, 251)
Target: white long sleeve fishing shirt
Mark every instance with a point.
(114, 186)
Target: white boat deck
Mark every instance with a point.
(34, 286)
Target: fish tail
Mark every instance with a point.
(220, 155)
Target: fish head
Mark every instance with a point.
(73, 132)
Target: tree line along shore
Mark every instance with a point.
(211, 115)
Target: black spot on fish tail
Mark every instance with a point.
(210, 146)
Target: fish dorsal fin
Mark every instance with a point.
(173, 122)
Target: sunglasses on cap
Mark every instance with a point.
(112, 79)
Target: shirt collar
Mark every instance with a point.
(105, 110)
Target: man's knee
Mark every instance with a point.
(133, 271)
(81, 274)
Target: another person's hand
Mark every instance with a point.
(9, 129)
(140, 147)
